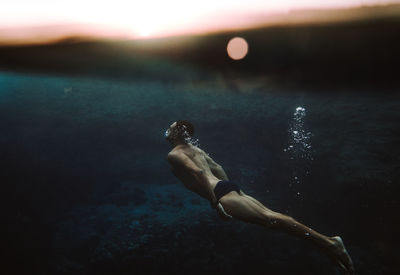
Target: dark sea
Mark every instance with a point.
(88, 189)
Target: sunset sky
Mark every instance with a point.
(152, 18)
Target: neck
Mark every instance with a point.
(177, 143)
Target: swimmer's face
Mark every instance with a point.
(170, 133)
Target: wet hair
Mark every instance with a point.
(183, 125)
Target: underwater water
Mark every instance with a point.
(84, 166)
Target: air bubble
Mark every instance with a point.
(188, 139)
(299, 140)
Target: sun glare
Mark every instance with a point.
(144, 32)
(237, 48)
(152, 18)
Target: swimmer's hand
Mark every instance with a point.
(221, 212)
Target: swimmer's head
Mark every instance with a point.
(179, 131)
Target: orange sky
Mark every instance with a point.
(43, 19)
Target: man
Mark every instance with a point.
(202, 175)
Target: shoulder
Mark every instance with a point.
(197, 149)
(171, 155)
(174, 155)
(203, 153)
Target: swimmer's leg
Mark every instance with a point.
(253, 199)
(248, 209)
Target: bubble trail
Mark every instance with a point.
(188, 139)
(299, 147)
(299, 142)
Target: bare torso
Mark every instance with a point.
(188, 179)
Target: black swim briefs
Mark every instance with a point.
(223, 187)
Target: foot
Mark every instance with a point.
(341, 256)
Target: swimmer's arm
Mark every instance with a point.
(215, 168)
(186, 163)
